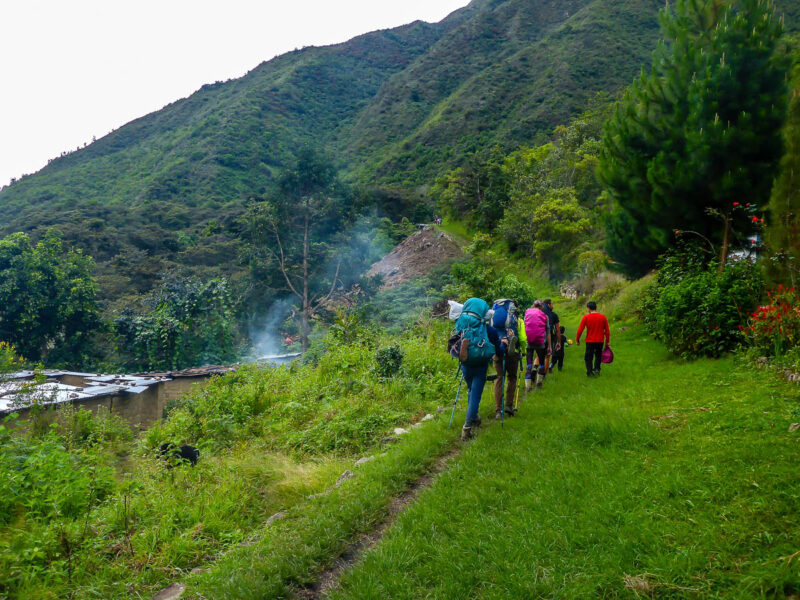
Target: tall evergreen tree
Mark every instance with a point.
(783, 233)
(698, 132)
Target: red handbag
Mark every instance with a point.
(607, 357)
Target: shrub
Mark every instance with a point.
(388, 361)
(702, 313)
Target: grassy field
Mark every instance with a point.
(659, 479)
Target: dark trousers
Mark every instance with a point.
(558, 360)
(593, 351)
(511, 362)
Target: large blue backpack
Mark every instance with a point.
(505, 315)
(471, 328)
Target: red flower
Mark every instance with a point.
(736, 204)
(755, 219)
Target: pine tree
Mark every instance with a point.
(783, 233)
(696, 133)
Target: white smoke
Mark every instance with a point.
(265, 335)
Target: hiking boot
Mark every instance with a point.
(474, 422)
(511, 412)
(527, 385)
(466, 433)
(597, 372)
(498, 414)
(539, 380)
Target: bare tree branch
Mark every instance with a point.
(282, 261)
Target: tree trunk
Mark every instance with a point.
(306, 308)
(723, 258)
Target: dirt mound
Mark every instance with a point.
(416, 256)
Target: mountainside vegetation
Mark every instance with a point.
(395, 107)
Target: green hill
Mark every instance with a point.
(393, 107)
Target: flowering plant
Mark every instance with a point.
(774, 328)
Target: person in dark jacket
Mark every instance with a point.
(558, 352)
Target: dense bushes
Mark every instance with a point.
(697, 309)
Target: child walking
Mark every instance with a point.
(558, 354)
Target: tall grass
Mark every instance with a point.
(89, 513)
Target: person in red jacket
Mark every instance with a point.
(598, 336)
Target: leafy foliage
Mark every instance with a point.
(476, 192)
(481, 278)
(698, 311)
(47, 299)
(188, 322)
(698, 132)
(550, 227)
(388, 361)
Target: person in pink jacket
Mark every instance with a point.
(538, 334)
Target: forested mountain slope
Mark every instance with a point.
(393, 107)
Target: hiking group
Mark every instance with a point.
(499, 334)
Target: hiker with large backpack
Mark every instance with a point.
(505, 321)
(537, 331)
(475, 342)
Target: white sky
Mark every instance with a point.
(73, 69)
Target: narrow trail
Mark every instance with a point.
(329, 579)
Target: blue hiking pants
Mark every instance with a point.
(475, 377)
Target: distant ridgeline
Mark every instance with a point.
(395, 107)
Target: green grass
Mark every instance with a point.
(661, 478)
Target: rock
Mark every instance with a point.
(197, 570)
(363, 460)
(400, 431)
(428, 417)
(794, 427)
(344, 477)
(250, 542)
(416, 425)
(440, 410)
(389, 440)
(172, 592)
(277, 517)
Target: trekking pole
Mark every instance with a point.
(516, 389)
(452, 414)
(503, 394)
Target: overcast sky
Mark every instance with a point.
(73, 69)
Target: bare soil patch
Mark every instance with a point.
(416, 256)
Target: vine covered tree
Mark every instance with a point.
(186, 323)
(697, 133)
